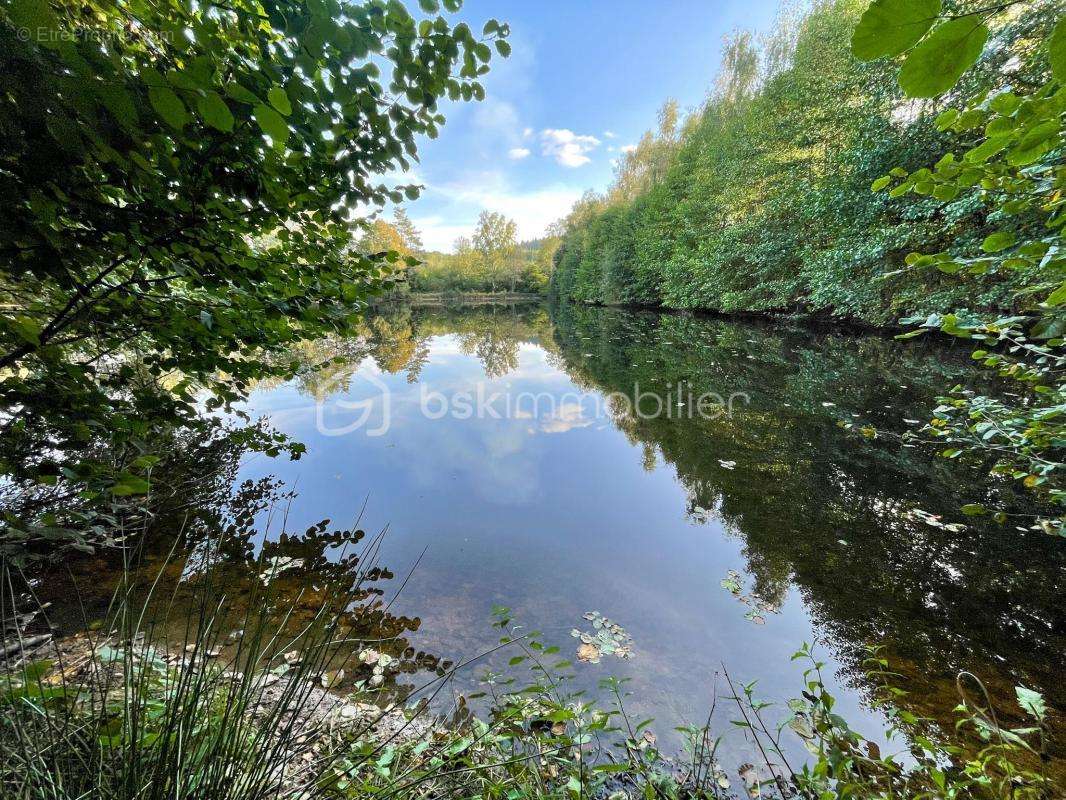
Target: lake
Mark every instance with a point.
(723, 490)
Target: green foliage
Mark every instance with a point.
(180, 181)
(493, 261)
(940, 59)
(1013, 170)
(890, 27)
(765, 204)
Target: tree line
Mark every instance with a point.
(491, 260)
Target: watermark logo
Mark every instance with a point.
(337, 413)
(49, 36)
(333, 410)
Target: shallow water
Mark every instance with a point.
(556, 499)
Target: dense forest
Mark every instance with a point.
(821, 177)
(760, 199)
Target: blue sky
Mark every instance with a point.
(585, 79)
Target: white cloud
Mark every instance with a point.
(628, 148)
(496, 118)
(566, 147)
(533, 210)
(527, 132)
(438, 234)
(518, 153)
(609, 134)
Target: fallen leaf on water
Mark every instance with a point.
(588, 653)
(750, 776)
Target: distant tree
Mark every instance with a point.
(409, 235)
(496, 242)
(739, 74)
(382, 237)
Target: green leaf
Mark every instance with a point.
(119, 102)
(429, 6)
(26, 329)
(1057, 297)
(130, 484)
(945, 119)
(1000, 240)
(239, 93)
(215, 112)
(169, 107)
(880, 183)
(1031, 701)
(1034, 144)
(503, 48)
(1057, 50)
(280, 100)
(34, 19)
(937, 63)
(973, 509)
(891, 27)
(272, 123)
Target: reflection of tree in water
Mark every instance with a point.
(210, 532)
(397, 338)
(493, 334)
(396, 346)
(828, 512)
(497, 354)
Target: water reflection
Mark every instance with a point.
(227, 544)
(832, 515)
(576, 503)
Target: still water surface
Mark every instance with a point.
(718, 541)
(570, 502)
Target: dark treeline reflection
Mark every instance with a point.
(831, 511)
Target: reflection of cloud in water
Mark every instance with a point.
(567, 417)
(493, 458)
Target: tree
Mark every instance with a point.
(496, 242)
(409, 235)
(180, 185)
(740, 67)
(381, 238)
